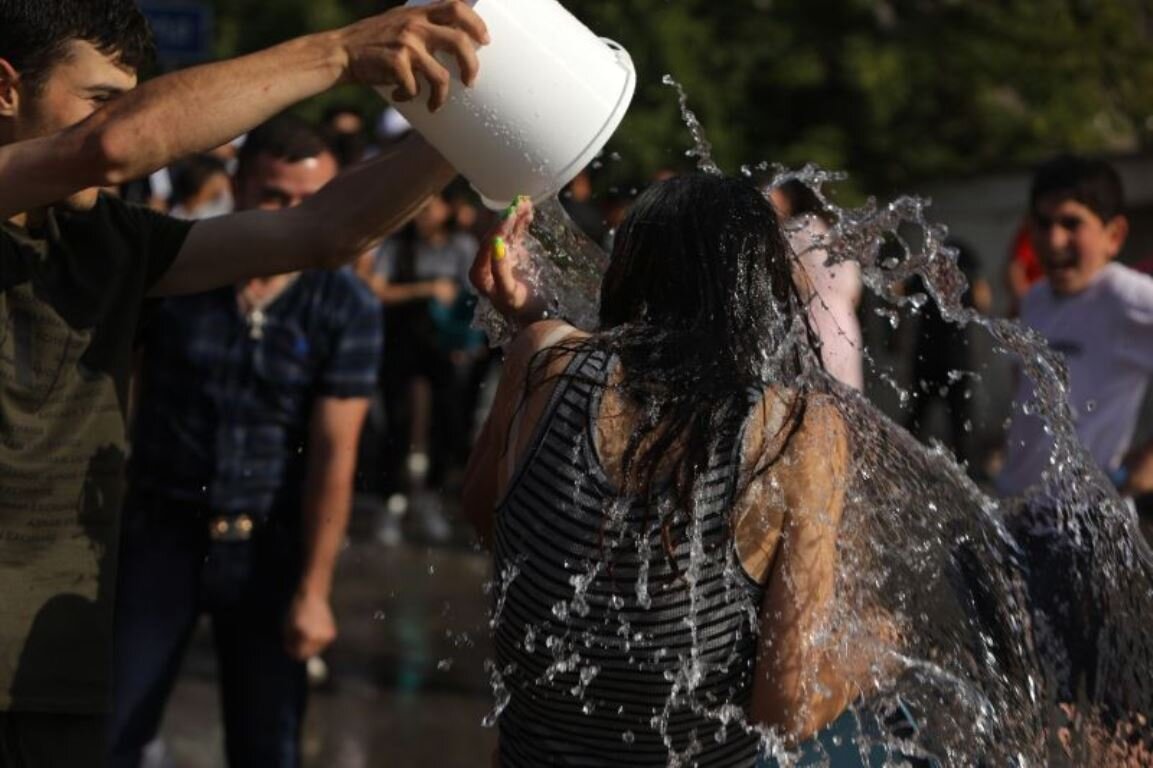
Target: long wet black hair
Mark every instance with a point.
(700, 306)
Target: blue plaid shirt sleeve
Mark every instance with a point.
(354, 361)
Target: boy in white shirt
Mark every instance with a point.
(1098, 314)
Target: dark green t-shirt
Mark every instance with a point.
(70, 298)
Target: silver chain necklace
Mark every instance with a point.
(253, 309)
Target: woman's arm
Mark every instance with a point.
(493, 458)
(496, 275)
(799, 685)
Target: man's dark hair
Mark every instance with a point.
(191, 174)
(285, 137)
(34, 34)
(1093, 183)
(347, 147)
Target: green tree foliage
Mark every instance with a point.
(243, 26)
(890, 90)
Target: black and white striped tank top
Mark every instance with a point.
(604, 656)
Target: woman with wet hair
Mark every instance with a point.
(662, 496)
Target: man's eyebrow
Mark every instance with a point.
(110, 88)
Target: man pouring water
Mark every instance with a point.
(76, 266)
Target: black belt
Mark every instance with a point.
(234, 526)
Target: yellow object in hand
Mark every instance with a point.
(499, 249)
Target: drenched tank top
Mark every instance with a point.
(605, 654)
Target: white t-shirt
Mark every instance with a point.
(1105, 333)
(832, 293)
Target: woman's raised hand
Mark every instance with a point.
(498, 272)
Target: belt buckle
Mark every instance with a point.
(230, 528)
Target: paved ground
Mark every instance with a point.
(407, 685)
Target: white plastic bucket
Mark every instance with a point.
(549, 95)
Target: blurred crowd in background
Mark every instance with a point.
(297, 443)
(437, 372)
(439, 369)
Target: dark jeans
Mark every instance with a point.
(930, 377)
(1067, 616)
(49, 740)
(170, 572)
(448, 431)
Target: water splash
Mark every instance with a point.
(702, 150)
(510, 572)
(565, 271)
(501, 695)
(987, 654)
(929, 588)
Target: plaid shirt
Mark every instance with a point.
(224, 411)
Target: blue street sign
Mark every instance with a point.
(182, 29)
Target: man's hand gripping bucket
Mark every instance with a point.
(549, 95)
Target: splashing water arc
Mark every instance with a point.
(929, 584)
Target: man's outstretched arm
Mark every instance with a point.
(349, 216)
(199, 108)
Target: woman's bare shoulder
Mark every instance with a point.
(522, 360)
(803, 430)
(536, 337)
(824, 419)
